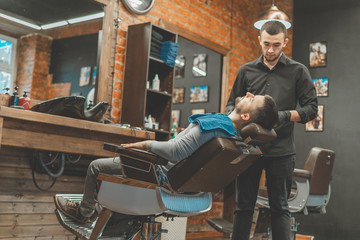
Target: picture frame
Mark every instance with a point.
(321, 86)
(316, 125)
(178, 95)
(180, 66)
(199, 94)
(199, 65)
(318, 54)
(175, 117)
(198, 111)
(85, 76)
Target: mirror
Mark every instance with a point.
(57, 52)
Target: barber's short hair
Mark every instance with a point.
(274, 27)
(267, 115)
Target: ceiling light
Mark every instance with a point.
(86, 18)
(273, 13)
(20, 21)
(54, 25)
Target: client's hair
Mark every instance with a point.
(267, 115)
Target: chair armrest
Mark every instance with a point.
(125, 180)
(301, 173)
(253, 132)
(136, 153)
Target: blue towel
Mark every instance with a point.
(169, 53)
(213, 121)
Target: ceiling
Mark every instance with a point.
(41, 12)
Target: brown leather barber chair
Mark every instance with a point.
(143, 192)
(312, 189)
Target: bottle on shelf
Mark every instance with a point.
(156, 83)
(148, 122)
(174, 130)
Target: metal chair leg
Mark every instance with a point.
(104, 217)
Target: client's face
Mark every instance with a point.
(249, 102)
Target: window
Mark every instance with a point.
(7, 63)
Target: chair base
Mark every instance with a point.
(109, 225)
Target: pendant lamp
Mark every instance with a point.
(273, 13)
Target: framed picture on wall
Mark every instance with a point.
(175, 117)
(321, 86)
(316, 125)
(197, 111)
(318, 54)
(199, 65)
(85, 76)
(178, 95)
(180, 66)
(199, 94)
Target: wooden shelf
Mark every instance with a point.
(156, 59)
(166, 94)
(138, 101)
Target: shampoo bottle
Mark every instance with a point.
(156, 83)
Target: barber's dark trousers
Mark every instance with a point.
(278, 181)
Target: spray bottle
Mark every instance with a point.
(14, 101)
(24, 101)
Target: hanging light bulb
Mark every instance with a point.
(273, 14)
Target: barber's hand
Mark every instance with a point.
(139, 145)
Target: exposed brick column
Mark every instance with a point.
(33, 65)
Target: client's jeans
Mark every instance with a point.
(278, 180)
(102, 165)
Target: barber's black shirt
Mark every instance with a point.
(289, 83)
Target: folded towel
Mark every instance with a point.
(213, 121)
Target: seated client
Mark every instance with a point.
(202, 128)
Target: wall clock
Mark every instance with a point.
(138, 6)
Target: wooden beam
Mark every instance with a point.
(225, 83)
(107, 55)
(194, 37)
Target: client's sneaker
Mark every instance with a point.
(72, 209)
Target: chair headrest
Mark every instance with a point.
(253, 132)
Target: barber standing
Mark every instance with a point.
(289, 83)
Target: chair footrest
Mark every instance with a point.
(84, 230)
(220, 225)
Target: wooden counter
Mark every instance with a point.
(28, 129)
(25, 211)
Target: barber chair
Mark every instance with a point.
(310, 192)
(143, 191)
(311, 189)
